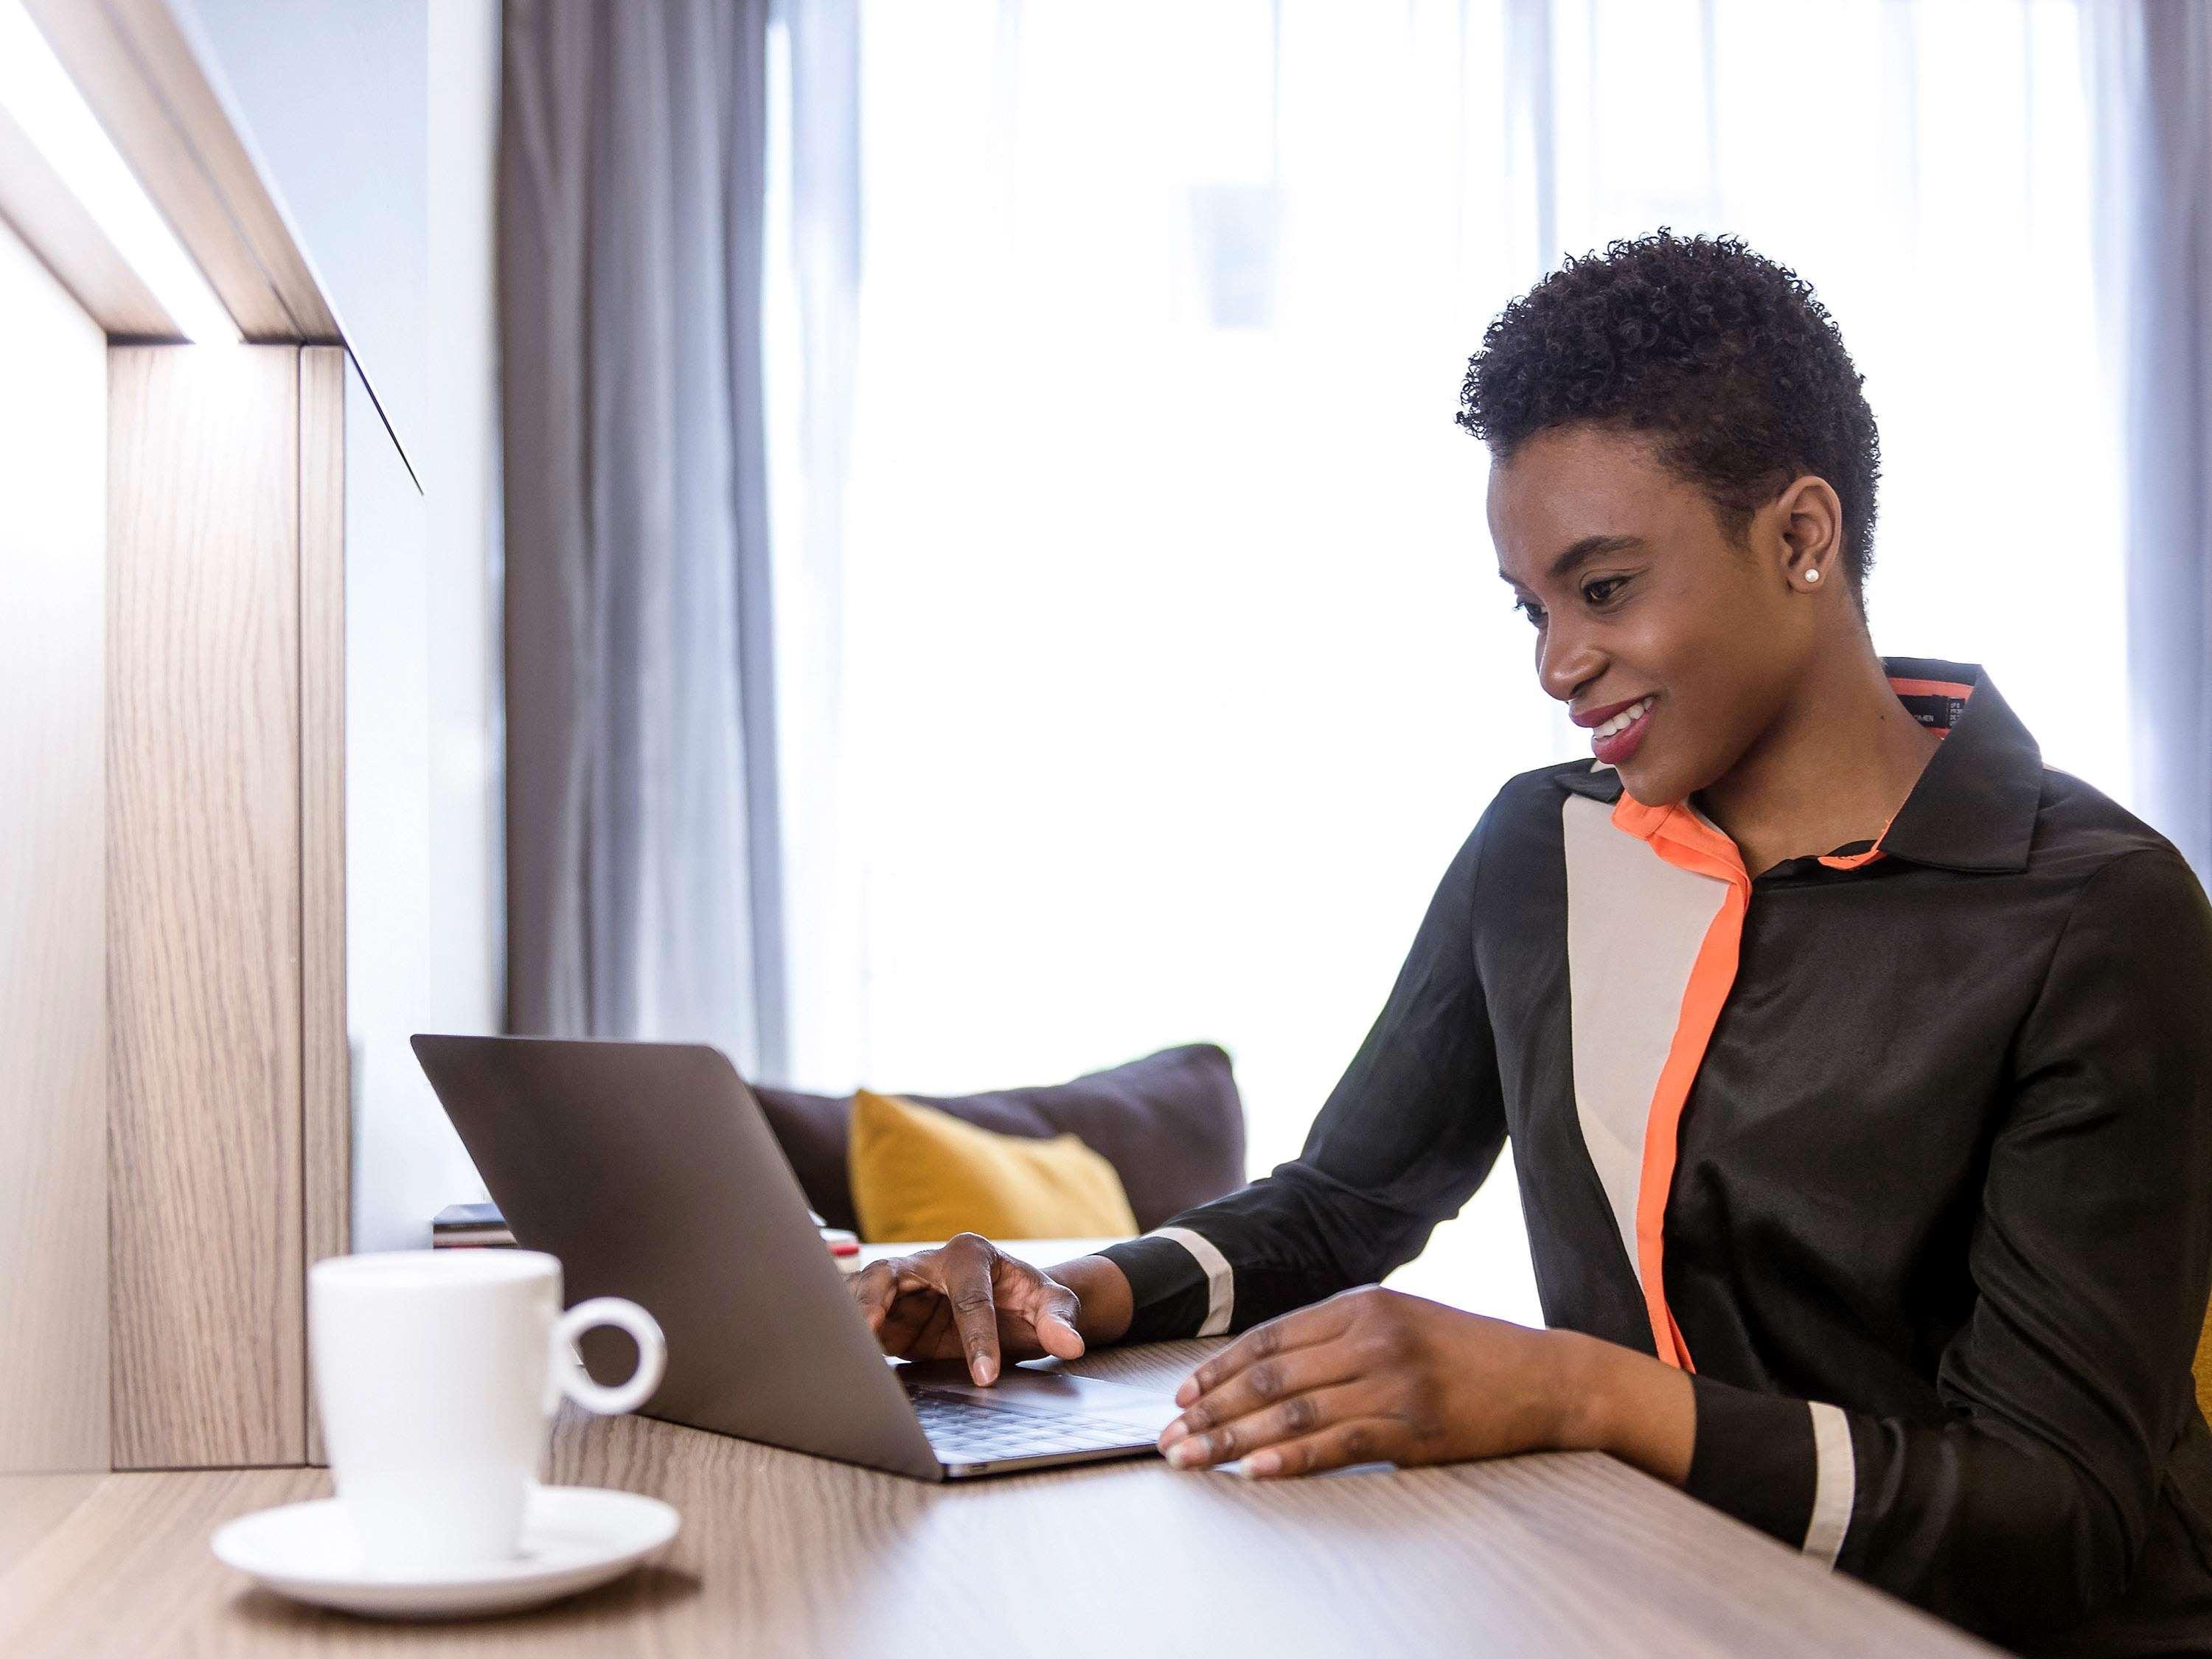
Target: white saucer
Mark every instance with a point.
(573, 1538)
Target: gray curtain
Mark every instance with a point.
(2153, 63)
(644, 882)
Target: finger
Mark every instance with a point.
(1299, 1329)
(903, 1290)
(968, 1270)
(936, 1340)
(1362, 1440)
(912, 1273)
(907, 1326)
(1267, 1382)
(1053, 1310)
(892, 1277)
(1301, 1416)
(872, 1291)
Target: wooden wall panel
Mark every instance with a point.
(53, 964)
(205, 913)
(327, 1111)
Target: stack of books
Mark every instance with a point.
(481, 1226)
(470, 1227)
(844, 1245)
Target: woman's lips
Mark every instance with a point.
(1616, 749)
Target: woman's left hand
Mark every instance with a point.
(1374, 1374)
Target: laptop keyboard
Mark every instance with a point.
(965, 1431)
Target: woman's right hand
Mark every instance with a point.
(968, 1297)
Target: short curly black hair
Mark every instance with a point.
(1725, 357)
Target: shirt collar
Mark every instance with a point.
(1974, 807)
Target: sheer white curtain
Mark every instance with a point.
(2151, 65)
(1172, 663)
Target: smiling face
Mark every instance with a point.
(1641, 599)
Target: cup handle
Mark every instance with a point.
(572, 1379)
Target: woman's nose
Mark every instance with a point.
(1565, 663)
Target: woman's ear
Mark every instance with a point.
(1811, 523)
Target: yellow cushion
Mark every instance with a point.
(918, 1173)
(2204, 1368)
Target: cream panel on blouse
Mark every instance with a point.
(1634, 926)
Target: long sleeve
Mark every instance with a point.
(1405, 1138)
(2069, 1409)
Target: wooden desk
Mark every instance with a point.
(787, 1555)
(782, 1554)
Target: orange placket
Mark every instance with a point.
(1853, 860)
(1679, 836)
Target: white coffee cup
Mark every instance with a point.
(437, 1372)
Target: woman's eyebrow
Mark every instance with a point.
(1581, 553)
(1591, 547)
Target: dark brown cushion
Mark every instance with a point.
(1171, 1124)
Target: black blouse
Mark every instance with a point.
(1905, 1151)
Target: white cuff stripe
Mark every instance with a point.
(1835, 1483)
(1220, 1283)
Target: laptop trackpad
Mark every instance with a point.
(1039, 1382)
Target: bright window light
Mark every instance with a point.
(1171, 666)
(38, 92)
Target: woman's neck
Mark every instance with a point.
(1834, 769)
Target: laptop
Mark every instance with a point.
(649, 1169)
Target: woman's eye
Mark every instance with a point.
(1531, 609)
(1603, 588)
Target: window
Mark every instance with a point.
(1174, 666)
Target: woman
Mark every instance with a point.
(1856, 1067)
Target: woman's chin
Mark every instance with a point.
(1650, 785)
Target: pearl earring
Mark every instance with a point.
(1812, 575)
